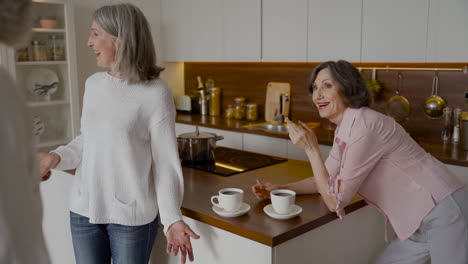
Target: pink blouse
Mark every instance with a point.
(374, 156)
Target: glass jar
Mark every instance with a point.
(239, 108)
(22, 54)
(38, 51)
(251, 113)
(229, 112)
(215, 101)
(56, 48)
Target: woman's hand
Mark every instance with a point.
(262, 189)
(301, 135)
(178, 238)
(47, 161)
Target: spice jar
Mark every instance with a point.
(215, 101)
(251, 113)
(239, 108)
(22, 54)
(38, 51)
(56, 48)
(229, 112)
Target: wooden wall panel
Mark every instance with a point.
(250, 80)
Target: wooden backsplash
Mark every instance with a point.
(250, 81)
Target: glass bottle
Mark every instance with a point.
(456, 126)
(447, 118)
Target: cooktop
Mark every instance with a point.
(232, 161)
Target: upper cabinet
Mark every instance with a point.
(241, 29)
(211, 30)
(334, 30)
(284, 30)
(315, 30)
(448, 34)
(176, 18)
(394, 31)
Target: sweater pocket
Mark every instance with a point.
(124, 210)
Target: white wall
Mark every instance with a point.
(85, 57)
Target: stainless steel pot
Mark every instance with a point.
(197, 147)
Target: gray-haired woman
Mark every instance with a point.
(127, 166)
(21, 237)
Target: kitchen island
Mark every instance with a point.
(315, 235)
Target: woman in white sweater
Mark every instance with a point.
(127, 167)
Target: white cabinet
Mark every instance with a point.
(242, 30)
(207, 30)
(284, 30)
(176, 32)
(334, 30)
(297, 153)
(394, 31)
(447, 34)
(211, 30)
(266, 145)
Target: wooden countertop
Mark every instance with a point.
(256, 225)
(445, 153)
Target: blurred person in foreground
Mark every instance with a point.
(128, 171)
(374, 156)
(21, 236)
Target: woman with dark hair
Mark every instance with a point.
(374, 156)
(128, 170)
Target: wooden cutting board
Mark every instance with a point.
(272, 103)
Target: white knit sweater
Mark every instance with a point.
(126, 157)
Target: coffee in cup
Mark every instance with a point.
(230, 199)
(282, 200)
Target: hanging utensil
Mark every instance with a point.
(398, 106)
(434, 105)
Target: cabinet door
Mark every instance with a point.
(265, 145)
(334, 30)
(242, 32)
(297, 153)
(394, 31)
(207, 30)
(176, 29)
(448, 34)
(284, 30)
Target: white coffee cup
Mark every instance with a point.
(282, 200)
(230, 199)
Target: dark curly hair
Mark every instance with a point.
(353, 88)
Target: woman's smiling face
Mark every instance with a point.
(326, 96)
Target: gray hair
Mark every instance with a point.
(15, 21)
(135, 54)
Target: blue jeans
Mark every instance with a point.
(99, 243)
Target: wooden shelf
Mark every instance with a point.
(48, 30)
(41, 62)
(47, 103)
(52, 143)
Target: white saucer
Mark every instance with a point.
(245, 207)
(295, 211)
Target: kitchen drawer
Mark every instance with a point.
(297, 153)
(266, 145)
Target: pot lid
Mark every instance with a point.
(195, 135)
